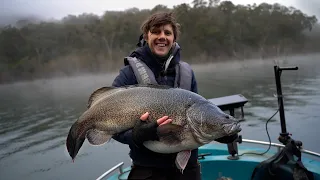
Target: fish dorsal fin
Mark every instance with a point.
(109, 90)
(157, 86)
(101, 92)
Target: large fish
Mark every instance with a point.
(195, 120)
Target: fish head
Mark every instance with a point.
(209, 122)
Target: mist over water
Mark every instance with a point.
(35, 117)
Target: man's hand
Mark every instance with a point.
(161, 121)
(144, 131)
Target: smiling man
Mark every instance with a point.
(157, 61)
(160, 38)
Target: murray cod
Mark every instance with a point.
(195, 120)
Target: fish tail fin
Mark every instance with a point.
(74, 141)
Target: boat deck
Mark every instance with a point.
(216, 164)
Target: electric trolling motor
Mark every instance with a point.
(284, 137)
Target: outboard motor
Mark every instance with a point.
(286, 164)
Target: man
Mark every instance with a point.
(157, 60)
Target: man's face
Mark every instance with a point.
(160, 39)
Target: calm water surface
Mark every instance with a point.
(35, 117)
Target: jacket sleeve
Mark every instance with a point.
(124, 137)
(194, 86)
(125, 77)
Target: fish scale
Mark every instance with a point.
(148, 100)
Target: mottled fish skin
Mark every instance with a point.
(117, 109)
(124, 107)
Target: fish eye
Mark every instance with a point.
(227, 117)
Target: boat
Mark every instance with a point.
(245, 158)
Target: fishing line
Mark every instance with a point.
(268, 137)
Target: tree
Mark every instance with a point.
(209, 30)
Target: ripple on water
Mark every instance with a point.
(35, 127)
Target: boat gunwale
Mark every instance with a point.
(111, 170)
(280, 146)
(121, 169)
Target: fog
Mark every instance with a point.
(58, 9)
(11, 10)
(310, 7)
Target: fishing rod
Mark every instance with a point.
(284, 137)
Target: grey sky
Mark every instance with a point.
(60, 8)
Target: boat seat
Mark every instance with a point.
(230, 103)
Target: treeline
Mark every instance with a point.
(211, 30)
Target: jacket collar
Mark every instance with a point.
(155, 63)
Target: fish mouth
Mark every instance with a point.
(231, 129)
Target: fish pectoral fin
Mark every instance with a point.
(169, 133)
(182, 159)
(168, 129)
(97, 137)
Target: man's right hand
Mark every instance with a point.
(144, 131)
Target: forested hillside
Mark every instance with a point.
(210, 30)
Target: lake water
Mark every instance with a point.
(35, 117)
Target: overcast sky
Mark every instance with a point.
(60, 8)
